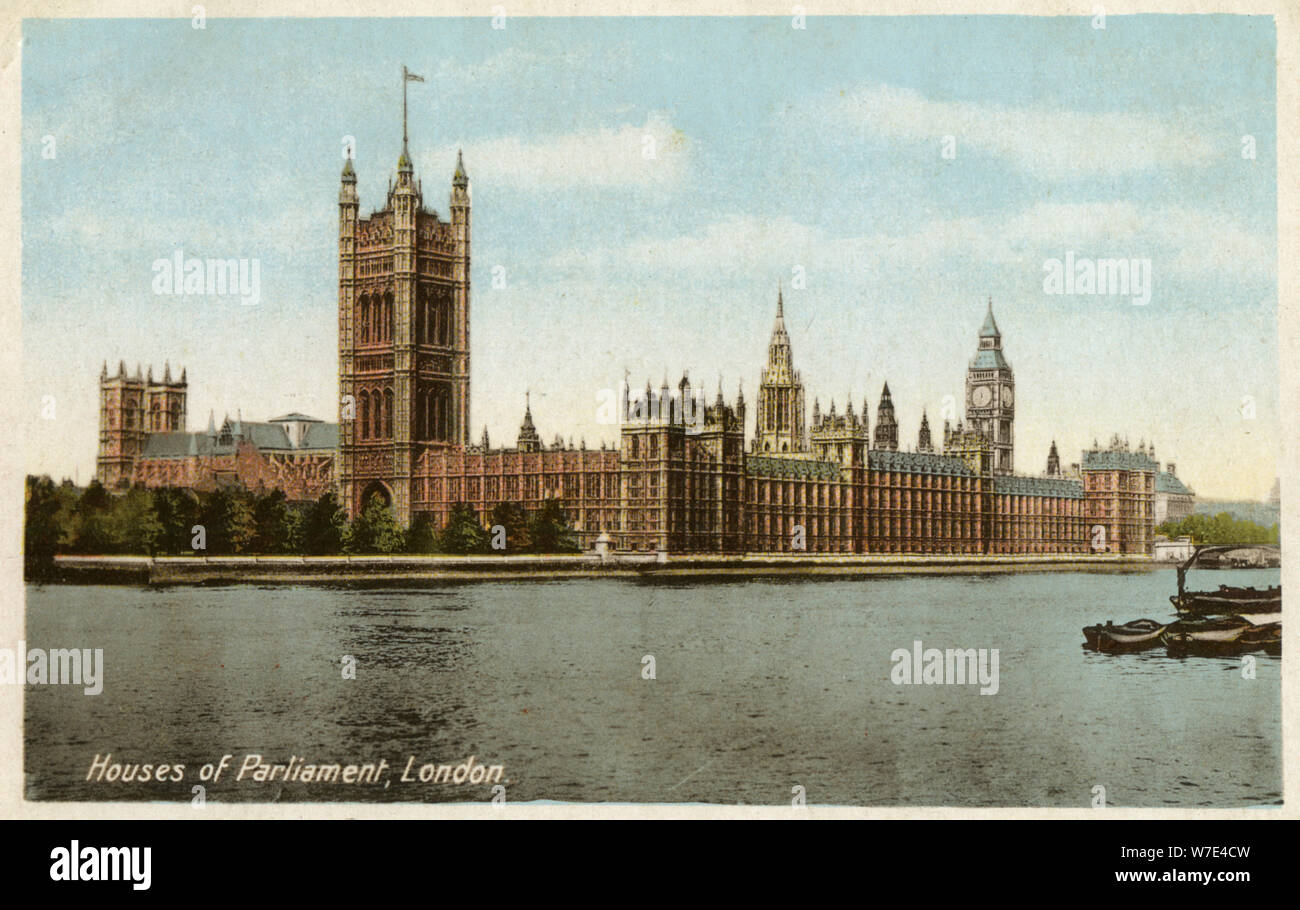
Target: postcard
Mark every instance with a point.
(596, 413)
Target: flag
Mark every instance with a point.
(410, 76)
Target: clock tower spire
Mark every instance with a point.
(990, 394)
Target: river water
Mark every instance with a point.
(763, 692)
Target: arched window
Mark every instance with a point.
(388, 413)
(365, 416)
(388, 317)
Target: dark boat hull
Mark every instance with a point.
(1138, 635)
(1209, 603)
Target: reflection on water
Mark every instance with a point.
(760, 686)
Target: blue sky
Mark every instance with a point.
(776, 150)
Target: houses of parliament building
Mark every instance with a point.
(682, 478)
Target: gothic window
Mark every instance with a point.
(365, 415)
(388, 317)
(363, 320)
(388, 413)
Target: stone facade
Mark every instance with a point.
(1119, 486)
(679, 478)
(1174, 500)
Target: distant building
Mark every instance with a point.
(1174, 500)
(294, 453)
(1177, 550)
(130, 408)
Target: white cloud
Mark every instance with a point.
(1050, 144)
(654, 153)
(1184, 242)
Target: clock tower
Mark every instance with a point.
(990, 395)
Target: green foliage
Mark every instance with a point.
(549, 530)
(1222, 528)
(42, 533)
(161, 522)
(134, 523)
(463, 534)
(227, 517)
(177, 511)
(322, 527)
(512, 517)
(422, 536)
(277, 528)
(93, 531)
(374, 530)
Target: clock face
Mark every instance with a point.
(981, 396)
(1006, 395)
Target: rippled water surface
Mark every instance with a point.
(761, 686)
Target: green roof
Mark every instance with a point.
(1038, 486)
(321, 436)
(1117, 461)
(802, 468)
(1169, 483)
(989, 360)
(990, 327)
(917, 463)
(270, 437)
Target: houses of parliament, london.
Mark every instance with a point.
(682, 478)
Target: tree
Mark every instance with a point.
(275, 526)
(135, 522)
(41, 532)
(374, 530)
(463, 533)
(94, 527)
(1222, 528)
(422, 536)
(227, 517)
(550, 531)
(512, 517)
(322, 527)
(177, 511)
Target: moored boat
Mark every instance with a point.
(1266, 637)
(1137, 635)
(1206, 637)
(1228, 599)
